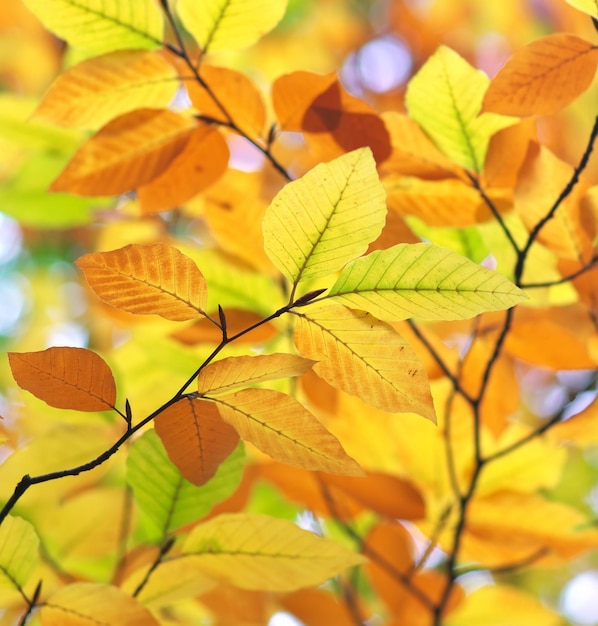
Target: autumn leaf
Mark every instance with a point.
(285, 430)
(19, 552)
(152, 279)
(543, 77)
(424, 281)
(167, 499)
(229, 24)
(102, 25)
(254, 551)
(445, 99)
(99, 89)
(82, 604)
(129, 152)
(195, 437)
(364, 357)
(67, 378)
(326, 218)
(233, 372)
(587, 6)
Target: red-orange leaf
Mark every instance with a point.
(153, 279)
(127, 153)
(543, 77)
(66, 378)
(195, 437)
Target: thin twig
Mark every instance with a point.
(164, 550)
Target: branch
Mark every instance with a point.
(164, 550)
(565, 279)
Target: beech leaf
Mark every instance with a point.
(254, 551)
(233, 372)
(543, 77)
(285, 430)
(423, 281)
(102, 25)
(19, 552)
(366, 358)
(326, 218)
(147, 279)
(66, 378)
(229, 24)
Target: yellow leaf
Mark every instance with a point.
(543, 77)
(147, 279)
(19, 547)
(254, 551)
(587, 6)
(445, 99)
(229, 24)
(240, 371)
(581, 428)
(90, 604)
(102, 88)
(201, 162)
(102, 25)
(196, 438)
(499, 605)
(128, 152)
(285, 430)
(66, 378)
(326, 218)
(365, 357)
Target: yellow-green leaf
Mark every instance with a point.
(587, 6)
(285, 430)
(147, 279)
(366, 358)
(326, 218)
(19, 547)
(93, 92)
(91, 604)
(239, 371)
(229, 24)
(254, 551)
(102, 25)
(424, 281)
(445, 99)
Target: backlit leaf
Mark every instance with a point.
(201, 162)
(19, 556)
(285, 430)
(147, 279)
(445, 99)
(254, 551)
(326, 218)
(423, 281)
(587, 6)
(164, 495)
(229, 24)
(99, 89)
(67, 378)
(543, 77)
(195, 437)
(128, 152)
(234, 372)
(365, 357)
(102, 25)
(90, 604)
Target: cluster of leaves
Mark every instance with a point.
(351, 283)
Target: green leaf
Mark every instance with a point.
(229, 24)
(423, 281)
(445, 99)
(102, 25)
(326, 218)
(168, 499)
(254, 551)
(19, 552)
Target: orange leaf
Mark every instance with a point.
(316, 607)
(152, 279)
(82, 604)
(285, 430)
(543, 77)
(195, 437)
(230, 88)
(127, 153)
(66, 378)
(201, 162)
